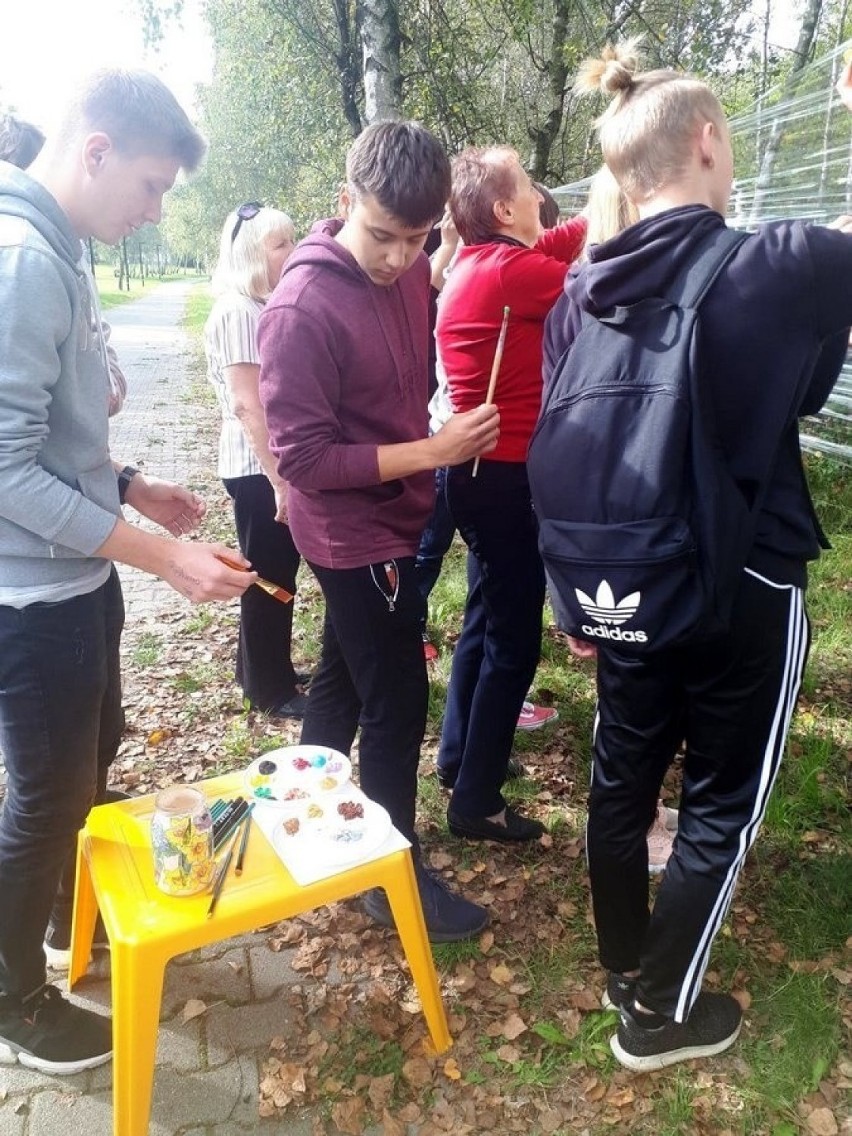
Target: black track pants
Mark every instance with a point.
(732, 701)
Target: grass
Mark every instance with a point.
(111, 296)
(148, 649)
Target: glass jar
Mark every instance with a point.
(182, 841)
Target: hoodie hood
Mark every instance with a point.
(644, 260)
(321, 249)
(22, 196)
(321, 252)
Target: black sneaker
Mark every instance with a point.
(450, 918)
(517, 828)
(620, 992)
(295, 707)
(52, 1035)
(712, 1026)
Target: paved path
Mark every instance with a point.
(206, 1082)
(157, 429)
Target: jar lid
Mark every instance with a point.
(179, 799)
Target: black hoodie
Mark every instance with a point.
(775, 328)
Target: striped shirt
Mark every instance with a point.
(230, 337)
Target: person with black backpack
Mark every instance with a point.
(676, 527)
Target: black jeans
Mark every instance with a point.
(372, 674)
(731, 700)
(264, 667)
(500, 643)
(60, 725)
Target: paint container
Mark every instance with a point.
(182, 841)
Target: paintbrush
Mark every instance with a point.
(495, 370)
(274, 590)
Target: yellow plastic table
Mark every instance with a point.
(146, 928)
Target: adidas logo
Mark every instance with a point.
(609, 615)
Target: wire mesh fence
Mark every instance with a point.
(793, 158)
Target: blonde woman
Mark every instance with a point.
(255, 243)
(774, 327)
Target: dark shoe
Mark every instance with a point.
(620, 992)
(514, 770)
(450, 918)
(516, 829)
(293, 708)
(54, 1036)
(712, 1026)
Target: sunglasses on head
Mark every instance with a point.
(245, 213)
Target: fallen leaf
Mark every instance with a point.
(509, 1053)
(391, 1126)
(821, 1122)
(621, 1097)
(194, 1008)
(418, 1072)
(348, 1115)
(513, 1027)
(486, 941)
(551, 1121)
(500, 974)
(452, 1070)
(596, 1091)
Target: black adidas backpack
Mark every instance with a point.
(642, 529)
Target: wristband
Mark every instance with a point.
(124, 479)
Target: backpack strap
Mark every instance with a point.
(696, 279)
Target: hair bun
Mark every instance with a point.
(613, 72)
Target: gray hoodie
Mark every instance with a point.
(58, 490)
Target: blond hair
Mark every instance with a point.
(242, 264)
(608, 209)
(647, 131)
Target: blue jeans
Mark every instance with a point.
(60, 725)
(435, 543)
(500, 643)
(372, 674)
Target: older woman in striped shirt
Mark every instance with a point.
(255, 243)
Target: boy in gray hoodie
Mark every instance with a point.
(122, 142)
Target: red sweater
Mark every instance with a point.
(484, 279)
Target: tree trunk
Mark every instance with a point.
(346, 61)
(378, 27)
(545, 135)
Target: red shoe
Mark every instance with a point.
(534, 717)
(430, 651)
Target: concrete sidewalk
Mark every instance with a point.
(206, 1080)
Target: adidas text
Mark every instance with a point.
(614, 633)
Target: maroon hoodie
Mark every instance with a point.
(343, 370)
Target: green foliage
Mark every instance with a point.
(798, 1042)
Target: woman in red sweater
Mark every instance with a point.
(507, 261)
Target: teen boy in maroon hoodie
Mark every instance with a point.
(344, 348)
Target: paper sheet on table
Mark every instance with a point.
(297, 857)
